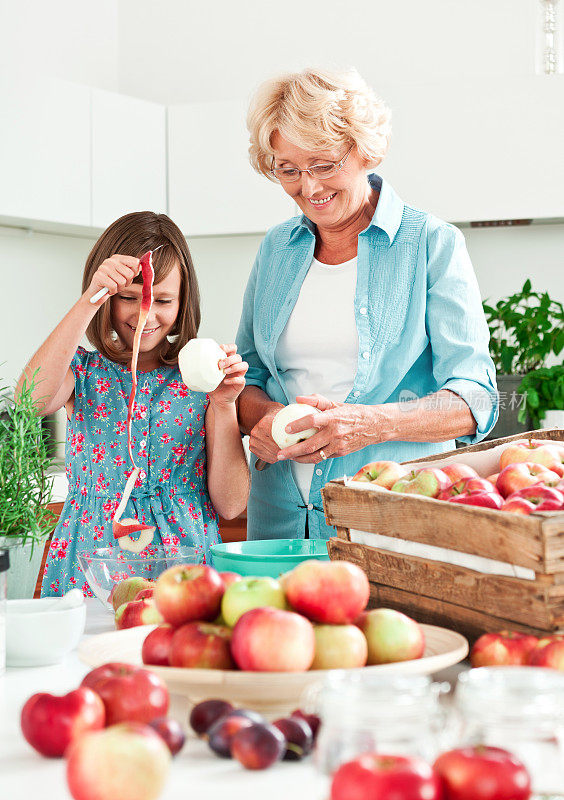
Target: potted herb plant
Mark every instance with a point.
(543, 390)
(527, 331)
(25, 485)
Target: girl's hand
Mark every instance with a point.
(114, 274)
(261, 442)
(343, 428)
(234, 382)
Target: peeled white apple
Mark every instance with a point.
(198, 361)
(284, 417)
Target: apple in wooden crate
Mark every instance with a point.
(391, 635)
(506, 648)
(533, 451)
(201, 645)
(331, 592)
(548, 652)
(525, 473)
(129, 693)
(428, 482)
(339, 647)
(50, 722)
(189, 592)
(129, 761)
(382, 473)
(271, 640)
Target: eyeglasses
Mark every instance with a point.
(325, 169)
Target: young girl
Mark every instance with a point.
(187, 444)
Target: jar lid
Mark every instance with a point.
(4, 560)
(511, 693)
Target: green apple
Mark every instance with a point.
(251, 593)
(391, 636)
(339, 647)
(126, 590)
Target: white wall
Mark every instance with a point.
(75, 40)
(222, 50)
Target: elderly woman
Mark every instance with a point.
(363, 306)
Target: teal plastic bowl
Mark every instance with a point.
(267, 556)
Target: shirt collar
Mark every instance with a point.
(387, 217)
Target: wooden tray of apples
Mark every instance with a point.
(263, 655)
(480, 558)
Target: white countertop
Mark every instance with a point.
(195, 772)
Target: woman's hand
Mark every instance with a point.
(343, 428)
(114, 274)
(234, 382)
(261, 442)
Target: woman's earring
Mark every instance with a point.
(113, 336)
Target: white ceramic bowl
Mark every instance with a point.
(37, 636)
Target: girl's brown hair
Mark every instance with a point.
(132, 235)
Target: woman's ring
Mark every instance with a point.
(323, 456)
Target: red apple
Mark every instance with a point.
(517, 476)
(333, 592)
(156, 646)
(339, 647)
(518, 505)
(482, 773)
(49, 722)
(201, 645)
(429, 482)
(189, 592)
(549, 652)
(229, 577)
(391, 636)
(467, 486)
(137, 612)
(493, 478)
(128, 761)
(533, 450)
(458, 472)
(382, 473)
(145, 594)
(249, 593)
(483, 499)
(126, 590)
(376, 776)
(543, 497)
(272, 640)
(506, 648)
(129, 693)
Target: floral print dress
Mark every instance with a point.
(168, 443)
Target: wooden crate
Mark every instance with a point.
(467, 600)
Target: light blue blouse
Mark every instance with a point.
(420, 326)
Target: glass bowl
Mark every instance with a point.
(105, 567)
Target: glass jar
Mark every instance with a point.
(520, 709)
(388, 713)
(4, 564)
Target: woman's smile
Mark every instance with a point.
(321, 201)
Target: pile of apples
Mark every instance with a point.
(112, 730)
(467, 773)
(511, 648)
(314, 617)
(530, 478)
(249, 738)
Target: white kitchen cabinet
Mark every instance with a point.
(213, 189)
(44, 150)
(128, 156)
(480, 149)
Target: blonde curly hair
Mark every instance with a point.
(318, 109)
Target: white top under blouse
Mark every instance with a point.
(318, 349)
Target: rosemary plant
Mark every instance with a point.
(25, 486)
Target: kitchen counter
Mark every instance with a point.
(195, 772)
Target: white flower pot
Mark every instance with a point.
(553, 419)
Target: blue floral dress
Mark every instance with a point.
(168, 443)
